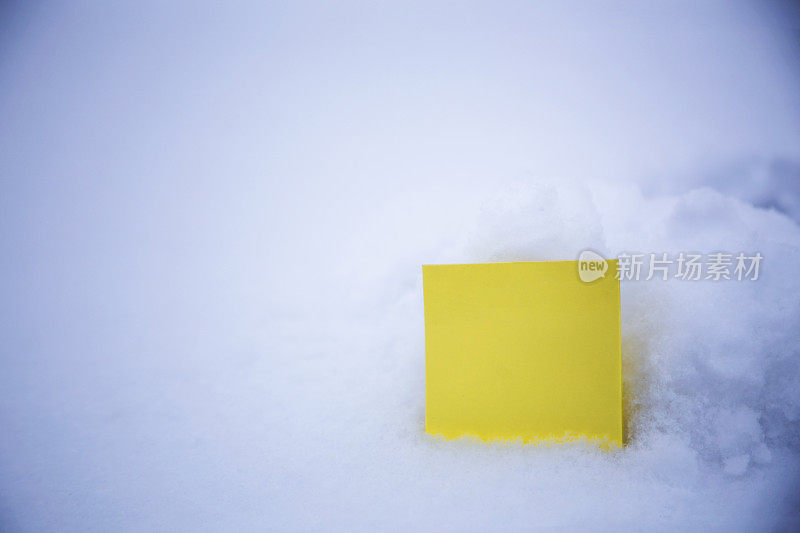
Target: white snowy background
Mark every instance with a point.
(213, 218)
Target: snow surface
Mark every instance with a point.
(213, 223)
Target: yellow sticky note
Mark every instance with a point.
(522, 350)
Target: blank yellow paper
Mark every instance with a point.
(522, 350)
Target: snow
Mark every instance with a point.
(213, 224)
